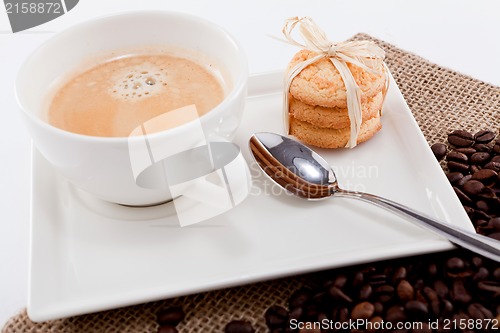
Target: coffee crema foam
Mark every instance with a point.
(115, 97)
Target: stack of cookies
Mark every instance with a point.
(318, 102)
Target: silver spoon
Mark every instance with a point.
(306, 174)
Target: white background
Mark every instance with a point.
(461, 35)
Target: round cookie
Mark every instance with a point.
(333, 117)
(332, 138)
(321, 84)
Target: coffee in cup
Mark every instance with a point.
(121, 92)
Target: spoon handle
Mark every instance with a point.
(480, 244)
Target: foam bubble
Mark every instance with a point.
(139, 81)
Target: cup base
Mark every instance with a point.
(102, 208)
(148, 205)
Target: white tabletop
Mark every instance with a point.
(461, 35)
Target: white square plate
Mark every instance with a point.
(88, 255)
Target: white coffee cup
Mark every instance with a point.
(102, 165)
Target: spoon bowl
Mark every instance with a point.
(293, 166)
(301, 171)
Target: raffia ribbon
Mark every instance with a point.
(364, 54)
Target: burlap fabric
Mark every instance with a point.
(441, 100)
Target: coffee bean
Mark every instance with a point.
(375, 322)
(419, 284)
(462, 181)
(341, 314)
(483, 206)
(486, 193)
(486, 176)
(481, 275)
(496, 159)
(312, 311)
(417, 309)
(478, 215)
(369, 270)
(385, 293)
(470, 211)
(432, 269)
(462, 196)
(399, 274)
(473, 187)
(477, 262)
(365, 292)
(495, 166)
(461, 138)
(457, 157)
(480, 158)
(379, 307)
(467, 151)
(433, 299)
(492, 287)
(358, 279)
(496, 148)
(496, 274)
(447, 308)
(441, 288)
(481, 223)
(385, 289)
(494, 222)
(362, 310)
(296, 314)
(339, 295)
(395, 313)
(405, 291)
(459, 293)
(478, 311)
(481, 147)
(474, 168)
(430, 294)
(484, 136)
(377, 279)
(457, 166)
(239, 326)
(299, 298)
(340, 281)
(171, 316)
(439, 150)
(167, 329)
(276, 316)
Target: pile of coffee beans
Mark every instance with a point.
(430, 293)
(473, 162)
(169, 318)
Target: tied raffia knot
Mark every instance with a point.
(332, 51)
(364, 54)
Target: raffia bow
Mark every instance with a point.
(364, 54)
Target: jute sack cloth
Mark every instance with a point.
(441, 100)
